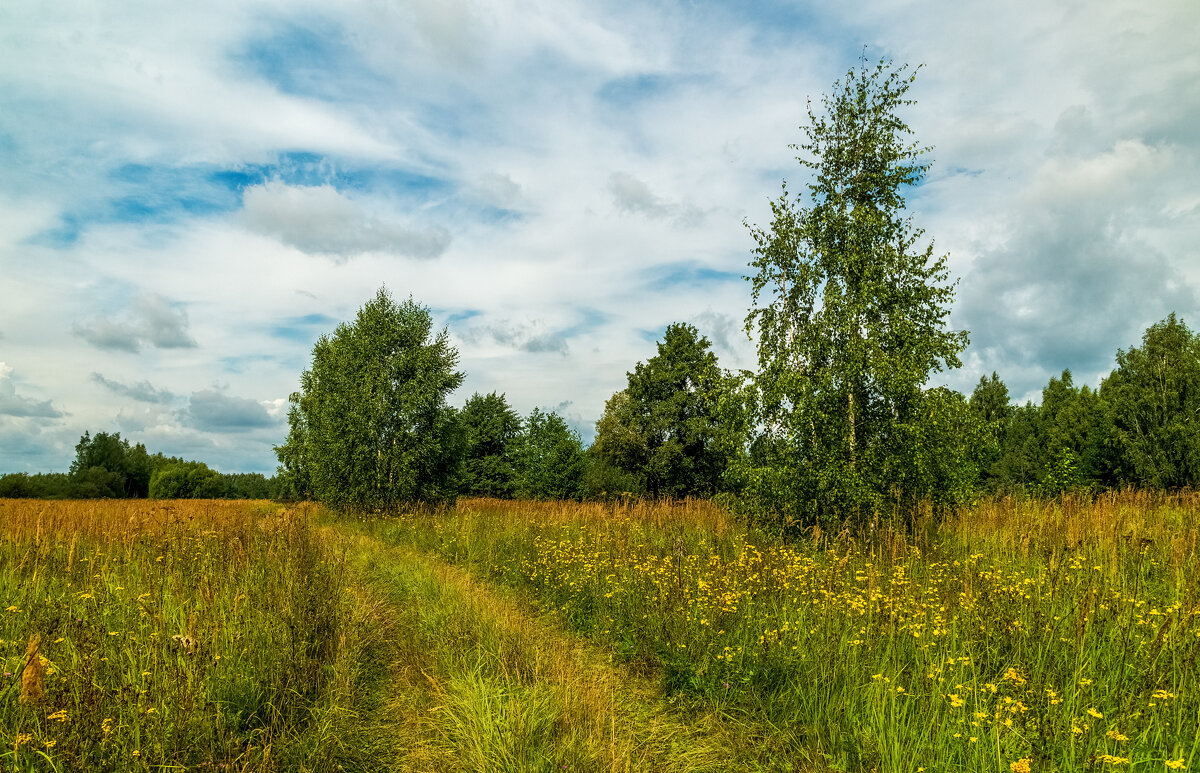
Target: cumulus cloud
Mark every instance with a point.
(143, 391)
(152, 320)
(723, 330)
(1077, 274)
(633, 196)
(531, 337)
(13, 404)
(320, 220)
(215, 411)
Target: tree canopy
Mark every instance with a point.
(661, 432)
(491, 432)
(370, 427)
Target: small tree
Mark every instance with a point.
(107, 466)
(1153, 400)
(550, 461)
(850, 315)
(370, 427)
(185, 480)
(662, 429)
(490, 431)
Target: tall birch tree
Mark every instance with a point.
(849, 309)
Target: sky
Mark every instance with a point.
(192, 193)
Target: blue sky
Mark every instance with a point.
(191, 195)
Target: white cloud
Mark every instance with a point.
(152, 320)
(320, 220)
(215, 411)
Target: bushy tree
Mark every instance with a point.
(850, 316)
(490, 430)
(616, 458)
(990, 402)
(661, 432)
(370, 427)
(550, 461)
(107, 466)
(185, 480)
(21, 485)
(1153, 401)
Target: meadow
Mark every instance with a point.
(197, 635)
(1020, 635)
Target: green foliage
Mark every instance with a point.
(1153, 398)
(850, 315)
(550, 461)
(106, 466)
(22, 485)
(490, 431)
(949, 445)
(660, 434)
(990, 402)
(248, 485)
(370, 427)
(1021, 462)
(185, 480)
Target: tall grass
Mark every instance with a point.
(191, 635)
(1025, 635)
(480, 685)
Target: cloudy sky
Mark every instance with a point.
(192, 193)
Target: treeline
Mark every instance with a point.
(677, 429)
(106, 466)
(1140, 428)
(372, 427)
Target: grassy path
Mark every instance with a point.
(464, 679)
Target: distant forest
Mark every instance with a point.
(106, 466)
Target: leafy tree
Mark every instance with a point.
(107, 466)
(1022, 462)
(1072, 421)
(550, 461)
(185, 480)
(490, 430)
(662, 429)
(990, 402)
(618, 453)
(850, 315)
(247, 485)
(370, 426)
(1153, 402)
(956, 445)
(20, 485)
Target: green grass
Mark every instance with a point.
(1054, 635)
(202, 635)
(498, 636)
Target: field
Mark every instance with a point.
(1020, 636)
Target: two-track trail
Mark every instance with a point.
(468, 680)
